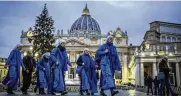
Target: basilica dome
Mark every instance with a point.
(85, 24)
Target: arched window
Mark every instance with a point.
(168, 39)
(179, 39)
(151, 37)
(173, 39)
(163, 39)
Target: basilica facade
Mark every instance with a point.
(85, 32)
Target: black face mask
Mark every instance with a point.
(46, 59)
(61, 48)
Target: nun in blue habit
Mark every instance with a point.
(43, 68)
(12, 80)
(87, 73)
(60, 59)
(108, 59)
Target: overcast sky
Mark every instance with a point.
(134, 17)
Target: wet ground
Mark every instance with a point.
(121, 93)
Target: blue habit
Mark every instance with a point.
(87, 73)
(93, 78)
(44, 75)
(14, 62)
(58, 69)
(109, 63)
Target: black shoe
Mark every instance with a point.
(81, 93)
(92, 93)
(35, 89)
(114, 93)
(43, 92)
(24, 92)
(87, 93)
(53, 93)
(103, 94)
(9, 91)
(64, 93)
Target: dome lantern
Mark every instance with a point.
(86, 11)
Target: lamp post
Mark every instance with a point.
(36, 54)
(31, 48)
(25, 53)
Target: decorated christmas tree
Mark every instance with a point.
(43, 30)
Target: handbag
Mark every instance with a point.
(79, 69)
(160, 75)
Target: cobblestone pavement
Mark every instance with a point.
(121, 93)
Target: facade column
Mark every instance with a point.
(177, 74)
(166, 49)
(77, 77)
(175, 48)
(154, 70)
(125, 71)
(142, 74)
(137, 72)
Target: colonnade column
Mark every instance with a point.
(177, 74)
(137, 73)
(142, 73)
(154, 70)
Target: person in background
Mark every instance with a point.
(12, 80)
(108, 59)
(156, 85)
(149, 82)
(164, 81)
(29, 63)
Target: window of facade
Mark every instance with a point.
(151, 37)
(179, 39)
(94, 41)
(168, 39)
(163, 39)
(153, 47)
(173, 39)
(72, 57)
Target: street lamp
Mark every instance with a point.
(36, 54)
(31, 48)
(170, 54)
(25, 53)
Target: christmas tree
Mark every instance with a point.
(43, 30)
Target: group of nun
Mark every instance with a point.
(52, 65)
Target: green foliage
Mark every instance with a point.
(43, 29)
